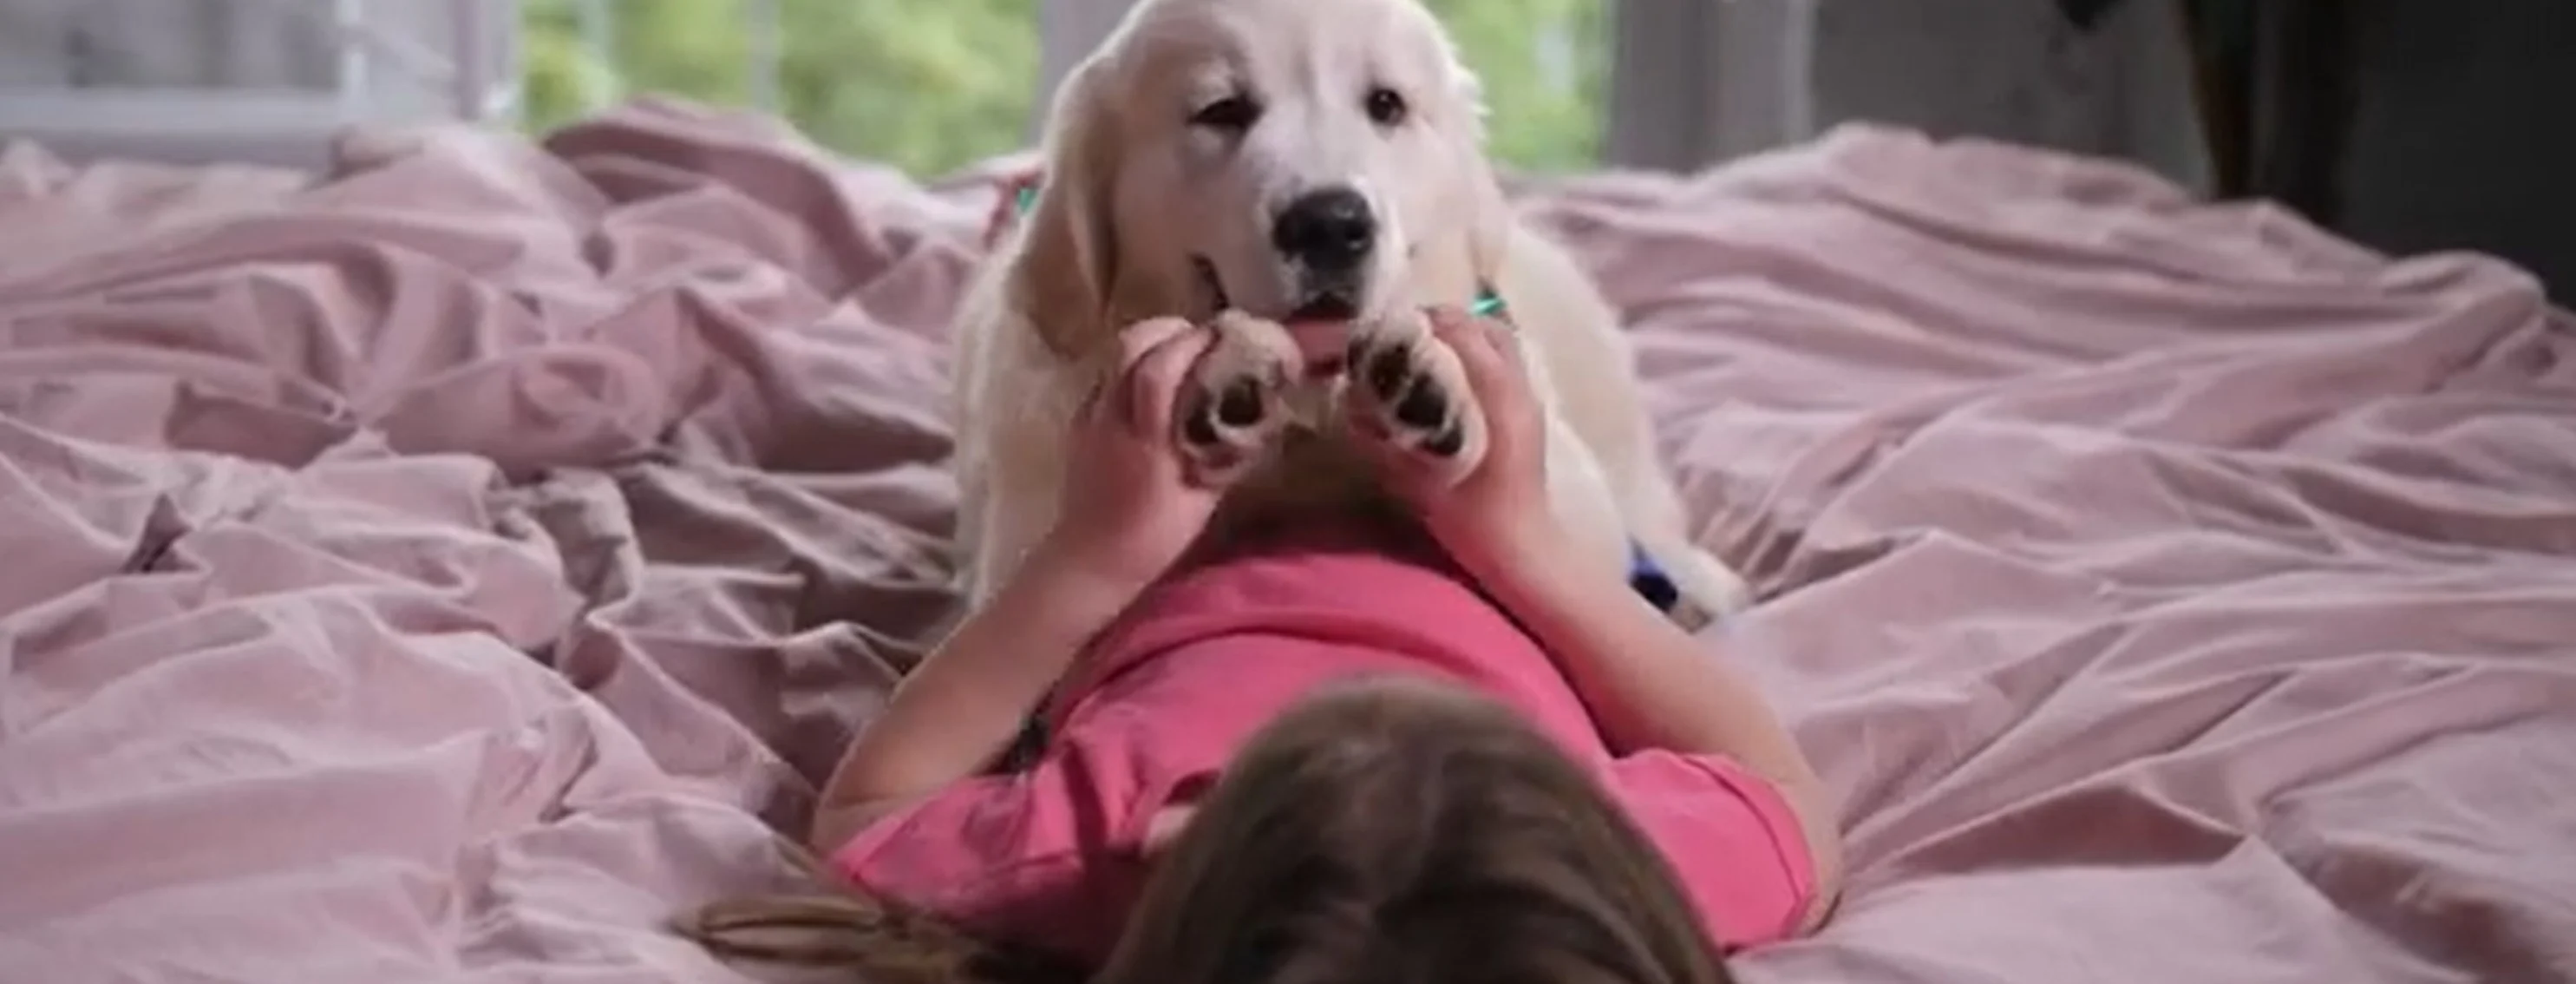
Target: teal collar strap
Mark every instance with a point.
(1488, 303)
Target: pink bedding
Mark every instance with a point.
(439, 571)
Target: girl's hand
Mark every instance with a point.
(1166, 826)
(1129, 508)
(1498, 514)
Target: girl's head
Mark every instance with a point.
(1388, 831)
(1395, 831)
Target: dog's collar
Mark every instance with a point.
(1488, 303)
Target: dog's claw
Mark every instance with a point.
(1387, 368)
(1199, 430)
(1424, 408)
(1447, 443)
(1240, 406)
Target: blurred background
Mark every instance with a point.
(933, 86)
(2409, 125)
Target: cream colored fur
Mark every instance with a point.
(1134, 191)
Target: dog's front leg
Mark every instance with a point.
(1009, 499)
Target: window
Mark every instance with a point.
(1545, 66)
(930, 87)
(264, 81)
(925, 86)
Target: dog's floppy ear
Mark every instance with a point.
(1069, 253)
(1489, 213)
(1489, 223)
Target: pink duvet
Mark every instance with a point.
(438, 571)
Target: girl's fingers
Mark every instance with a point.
(1111, 389)
(1089, 409)
(1159, 360)
(1166, 826)
(1488, 352)
(1146, 336)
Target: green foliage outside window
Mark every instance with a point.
(930, 85)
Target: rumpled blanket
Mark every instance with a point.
(447, 568)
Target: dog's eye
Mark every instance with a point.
(1232, 114)
(1386, 106)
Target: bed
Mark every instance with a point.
(445, 569)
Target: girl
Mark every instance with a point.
(1393, 751)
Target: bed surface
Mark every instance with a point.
(438, 572)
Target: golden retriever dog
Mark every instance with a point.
(1306, 176)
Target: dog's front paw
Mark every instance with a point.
(1234, 408)
(1419, 392)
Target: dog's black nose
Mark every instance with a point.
(1330, 231)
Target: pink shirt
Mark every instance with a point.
(1051, 856)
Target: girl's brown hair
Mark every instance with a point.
(1387, 831)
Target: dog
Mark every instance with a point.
(1307, 176)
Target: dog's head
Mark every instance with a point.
(1295, 159)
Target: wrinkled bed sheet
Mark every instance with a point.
(441, 571)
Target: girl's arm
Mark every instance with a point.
(1650, 685)
(964, 705)
(1128, 510)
